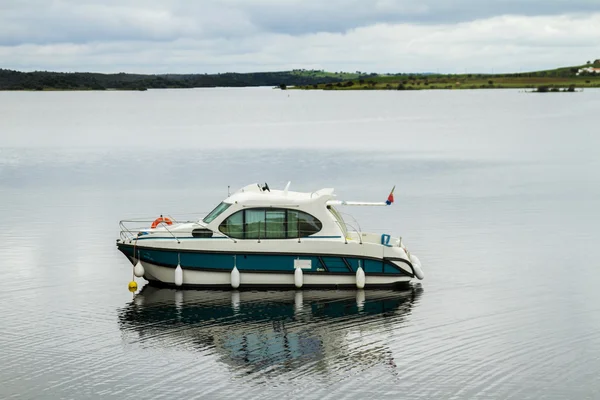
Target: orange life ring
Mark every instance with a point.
(161, 219)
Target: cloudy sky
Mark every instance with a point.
(198, 36)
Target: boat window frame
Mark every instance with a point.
(263, 234)
(218, 210)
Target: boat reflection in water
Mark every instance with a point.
(261, 329)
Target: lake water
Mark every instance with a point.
(498, 192)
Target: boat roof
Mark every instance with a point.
(254, 194)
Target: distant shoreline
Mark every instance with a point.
(45, 80)
(543, 84)
(564, 79)
(560, 79)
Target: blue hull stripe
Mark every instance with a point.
(261, 262)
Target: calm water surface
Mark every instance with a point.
(498, 192)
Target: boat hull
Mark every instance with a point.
(196, 278)
(204, 269)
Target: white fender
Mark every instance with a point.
(138, 270)
(414, 259)
(416, 263)
(178, 275)
(235, 278)
(360, 278)
(298, 278)
(418, 272)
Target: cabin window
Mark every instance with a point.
(233, 226)
(307, 224)
(292, 223)
(216, 212)
(270, 223)
(254, 228)
(275, 223)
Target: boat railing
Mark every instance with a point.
(343, 229)
(131, 228)
(168, 230)
(352, 228)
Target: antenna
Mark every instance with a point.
(285, 191)
(228, 194)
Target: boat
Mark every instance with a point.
(257, 330)
(263, 238)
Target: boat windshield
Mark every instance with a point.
(216, 212)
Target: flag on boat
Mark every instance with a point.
(390, 198)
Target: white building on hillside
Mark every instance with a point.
(590, 70)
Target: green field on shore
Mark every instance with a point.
(557, 78)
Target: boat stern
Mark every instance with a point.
(396, 251)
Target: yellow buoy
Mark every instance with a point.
(132, 286)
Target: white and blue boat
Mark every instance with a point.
(258, 237)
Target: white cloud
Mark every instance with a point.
(210, 36)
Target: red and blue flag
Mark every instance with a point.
(390, 198)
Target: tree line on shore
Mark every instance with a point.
(306, 79)
(45, 80)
